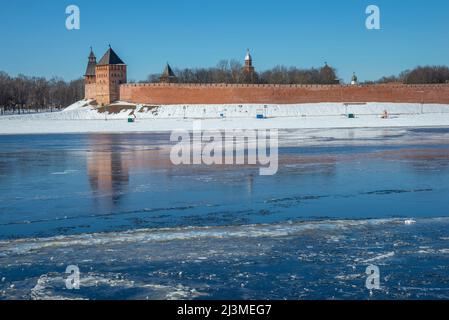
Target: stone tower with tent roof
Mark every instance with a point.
(168, 76)
(90, 79)
(110, 73)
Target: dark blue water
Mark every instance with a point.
(139, 227)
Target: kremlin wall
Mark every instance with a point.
(166, 94)
(105, 82)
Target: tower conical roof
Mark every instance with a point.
(110, 57)
(168, 72)
(90, 71)
(92, 54)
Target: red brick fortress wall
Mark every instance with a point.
(166, 94)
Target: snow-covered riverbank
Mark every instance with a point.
(83, 118)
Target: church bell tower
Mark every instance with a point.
(249, 73)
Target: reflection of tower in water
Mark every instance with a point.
(250, 184)
(108, 171)
(112, 158)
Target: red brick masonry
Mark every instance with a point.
(166, 94)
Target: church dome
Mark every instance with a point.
(354, 79)
(248, 56)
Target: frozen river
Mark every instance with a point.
(139, 227)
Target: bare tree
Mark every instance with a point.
(232, 72)
(235, 68)
(419, 75)
(23, 93)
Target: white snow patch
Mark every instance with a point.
(220, 117)
(78, 105)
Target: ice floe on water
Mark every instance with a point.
(296, 260)
(63, 172)
(380, 257)
(24, 246)
(50, 287)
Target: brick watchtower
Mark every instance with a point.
(90, 78)
(110, 74)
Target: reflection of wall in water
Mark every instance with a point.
(323, 165)
(426, 161)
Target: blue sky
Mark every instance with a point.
(147, 34)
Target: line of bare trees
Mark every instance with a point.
(34, 94)
(231, 71)
(420, 75)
